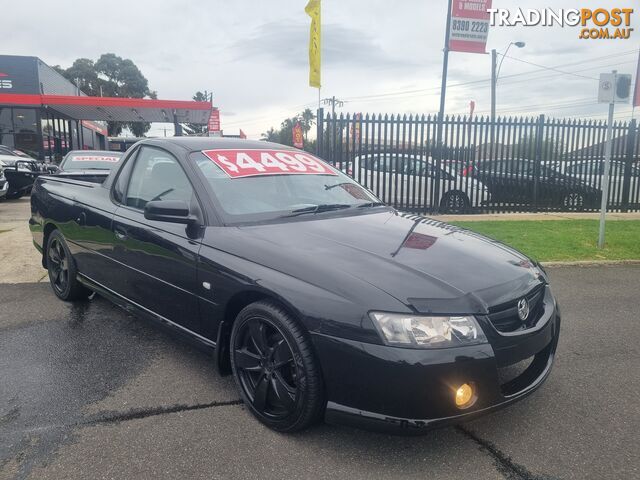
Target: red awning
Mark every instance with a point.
(115, 108)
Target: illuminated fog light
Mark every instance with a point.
(465, 396)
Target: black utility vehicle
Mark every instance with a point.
(20, 170)
(322, 301)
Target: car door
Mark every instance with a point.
(159, 258)
(91, 235)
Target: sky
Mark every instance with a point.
(379, 56)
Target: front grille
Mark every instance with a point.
(505, 317)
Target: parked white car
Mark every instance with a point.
(410, 181)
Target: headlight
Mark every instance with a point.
(405, 330)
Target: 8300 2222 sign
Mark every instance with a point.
(469, 26)
(239, 163)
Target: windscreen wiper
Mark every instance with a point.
(324, 207)
(371, 204)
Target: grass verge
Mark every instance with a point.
(564, 240)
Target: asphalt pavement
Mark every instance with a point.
(89, 391)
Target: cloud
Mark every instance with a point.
(341, 47)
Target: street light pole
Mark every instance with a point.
(495, 72)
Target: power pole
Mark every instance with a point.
(443, 93)
(334, 102)
(494, 81)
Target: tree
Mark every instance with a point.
(285, 134)
(308, 119)
(197, 128)
(271, 135)
(111, 76)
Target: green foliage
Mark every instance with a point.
(284, 135)
(196, 128)
(111, 76)
(563, 240)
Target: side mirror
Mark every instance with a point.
(173, 211)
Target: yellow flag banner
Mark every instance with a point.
(313, 10)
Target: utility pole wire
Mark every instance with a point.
(334, 102)
(548, 68)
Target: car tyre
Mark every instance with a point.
(454, 202)
(574, 201)
(274, 366)
(63, 274)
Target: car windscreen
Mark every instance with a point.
(90, 161)
(264, 197)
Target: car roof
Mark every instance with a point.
(194, 144)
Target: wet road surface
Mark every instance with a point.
(88, 391)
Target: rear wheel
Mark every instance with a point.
(454, 202)
(573, 201)
(274, 366)
(62, 270)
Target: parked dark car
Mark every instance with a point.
(20, 171)
(512, 182)
(4, 185)
(89, 165)
(20, 174)
(318, 298)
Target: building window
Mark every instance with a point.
(24, 120)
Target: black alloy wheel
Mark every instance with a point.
(454, 202)
(275, 369)
(58, 266)
(62, 269)
(573, 201)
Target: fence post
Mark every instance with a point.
(538, 159)
(628, 161)
(319, 131)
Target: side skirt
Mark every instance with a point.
(137, 309)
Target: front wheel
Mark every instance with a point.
(274, 366)
(573, 201)
(454, 202)
(63, 275)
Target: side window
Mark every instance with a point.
(369, 162)
(120, 185)
(156, 175)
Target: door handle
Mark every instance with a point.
(121, 233)
(82, 218)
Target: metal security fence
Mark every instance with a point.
(512, 164)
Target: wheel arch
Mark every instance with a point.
(49, 228)
(233, 307)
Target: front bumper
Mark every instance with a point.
(409, 391)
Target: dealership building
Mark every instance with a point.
(45, 115)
